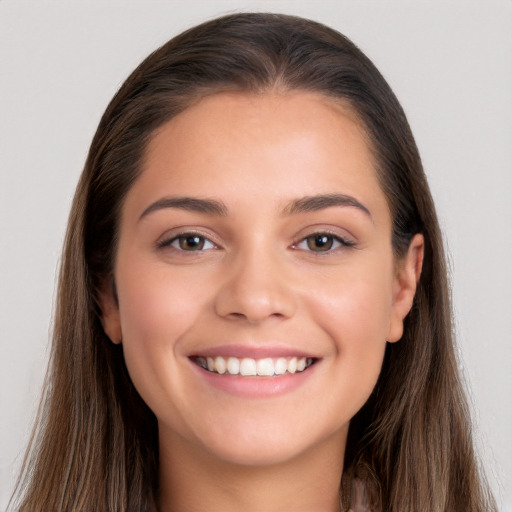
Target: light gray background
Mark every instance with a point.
(450, 64)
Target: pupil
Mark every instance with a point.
(191, 242)
(320, 242)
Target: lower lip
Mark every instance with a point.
(255, 387)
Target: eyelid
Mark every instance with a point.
(344, 241)
(169, 237)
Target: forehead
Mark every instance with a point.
(264, 114)
(271, 146)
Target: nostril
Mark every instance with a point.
(253, 318)
(236, 315)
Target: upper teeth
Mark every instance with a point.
(250, 367)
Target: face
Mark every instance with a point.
(255, 276)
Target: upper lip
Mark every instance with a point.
(251, 351)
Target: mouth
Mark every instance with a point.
(249, 367)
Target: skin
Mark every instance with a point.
(258, 281)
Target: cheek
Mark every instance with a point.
(355, 306)
(355, 314)
(157, 309)
(157, 305)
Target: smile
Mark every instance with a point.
(249, 367)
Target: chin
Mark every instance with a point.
(272, 444)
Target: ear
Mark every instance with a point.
(110, 318)
(407, 275)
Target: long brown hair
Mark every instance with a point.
(95, 447)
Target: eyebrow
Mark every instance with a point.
(191, 204)
(320, 202)
(218, 208)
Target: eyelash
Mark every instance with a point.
(332, 239)
(169, 242)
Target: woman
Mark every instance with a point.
(253, 310)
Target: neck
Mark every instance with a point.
(192, 480)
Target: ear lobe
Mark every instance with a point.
(110, 318)
(404, 288)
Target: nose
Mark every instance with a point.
(256, 288)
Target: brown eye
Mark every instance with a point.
(320, 242)
(323, 243)
(187, 242)
(191, 242)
